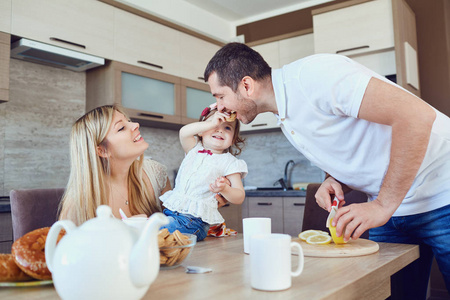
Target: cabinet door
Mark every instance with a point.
(195, 55)
(5, 16)
(295, 48)
(195, 96)
(355, 29)
(294, 208)
(144, 43)
(268, 207)
(270, 52)
(233, 216)
(262, 121)
(82, 25)
(6, 234)
(4, 66)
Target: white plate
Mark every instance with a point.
(26, 283)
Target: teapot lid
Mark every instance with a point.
(104, 221)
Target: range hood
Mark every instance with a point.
(54, 56)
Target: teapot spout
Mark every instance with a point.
(144, 259)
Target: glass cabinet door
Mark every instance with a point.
(195, 96)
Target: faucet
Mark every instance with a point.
(282, 182)
(287, 180)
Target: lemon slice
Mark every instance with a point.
(337, 240)
(307, 233)
(319, 239)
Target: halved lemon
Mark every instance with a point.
(319, 239)
(336, 239)
(307, 233)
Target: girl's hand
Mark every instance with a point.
(217, 118)
(219, 185)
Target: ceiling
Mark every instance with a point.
(245, 11)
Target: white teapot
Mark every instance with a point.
(103, 258)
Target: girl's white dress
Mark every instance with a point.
(191, 194)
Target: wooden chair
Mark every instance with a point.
(34, 208)
(315, 217)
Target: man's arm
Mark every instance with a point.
(411, 120)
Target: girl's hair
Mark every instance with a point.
(88, 185)
(238, 142)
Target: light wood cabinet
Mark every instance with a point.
(6, 232)
(233, 216)
(194, 56)
(295, 48)
(5, 16)
(144, 43)
(83, 25)
(380, 34)
(5, 44)
(195, 96)
(270, 52)
(286, 213)
(159, 93)
(263, 121)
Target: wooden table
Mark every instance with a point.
(363, 277)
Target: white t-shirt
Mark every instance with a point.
(318, 100)
(191, 194)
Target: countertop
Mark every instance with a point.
(275, 193)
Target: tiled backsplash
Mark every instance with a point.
(35, 127)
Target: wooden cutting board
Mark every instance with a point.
(352, 248)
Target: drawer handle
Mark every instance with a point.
(67, 42)
(150, 64)
(299, 204)
(201, 78)
(228, 204)
(151, 116)
(265, 203)
(350, 49)
(259, 125)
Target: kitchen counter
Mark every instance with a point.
(361, 277)
(275, 193)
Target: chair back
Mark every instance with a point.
(315, 217)
(33, 208)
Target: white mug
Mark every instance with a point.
(270, 261)
(253, 226)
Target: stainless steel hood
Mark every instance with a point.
(54, 56)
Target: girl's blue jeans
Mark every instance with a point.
(431, 231)
(186, 224)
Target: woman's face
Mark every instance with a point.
(124, 140)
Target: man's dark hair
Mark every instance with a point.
(233, 62)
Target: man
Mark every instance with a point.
(365, 132)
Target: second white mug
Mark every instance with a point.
(253, 226)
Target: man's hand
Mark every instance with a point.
(357, 218)
(329, 187)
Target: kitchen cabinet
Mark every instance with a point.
(195, 96)
(380, 34)
(83, 25)
(6, 232)
(5, 44)
(293, 49)
(232, 214)
(5, 16)
(149, 97)
(270, 52)
(263, 121)
(194, 56)
(144, 43)
(286, 213)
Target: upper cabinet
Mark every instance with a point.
(195, 97)
(141, 42)
(82, 25)
(5, 16)
(355, 29)
(380, 34)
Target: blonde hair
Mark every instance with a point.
(88, 185)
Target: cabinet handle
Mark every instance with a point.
(67, 42)
(151, 116)
(228, 204)
(259, 125)
(350, 49)
(150, 64)
(299, 204)
(265, 203)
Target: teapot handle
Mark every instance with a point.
(50, 243)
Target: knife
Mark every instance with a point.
(334, 208)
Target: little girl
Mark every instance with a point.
(210, 146)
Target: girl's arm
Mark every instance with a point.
(188, 132)
(234, 193)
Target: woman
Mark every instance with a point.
(108, 167)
